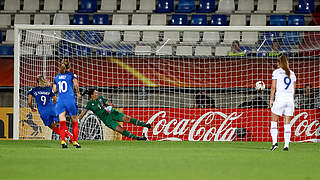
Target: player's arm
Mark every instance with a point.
(83, 112)
(108, 103)
(30, 103)
(54, 98)
(294, 89)
(54, 88)
(76, 87)
(273, 90)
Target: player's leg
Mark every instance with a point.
(63, 128)
(276, 112)
(53, 121)
(73, 112)
(116, 127)
(288, 113)
(134, 121)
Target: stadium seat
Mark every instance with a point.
(258, 20)
(88, 6)
(6, 50)
(222, 50)
(111, 37)
(30, 6)
(295, 20)
(108, 6)
(278, 20)
(27, 50)
(44, 49)
(142, 50)
(69, 6)
(100, 19)
(9, 37)
(249, 38)
(5, 20)
(120, 19)
(22, 19)
(41, 19)
(164, 6)
(80, 19)
(128, 6)
(171, 36)
(139, 19)
(226, 6)
(271, 36)
(0, 36)
(185, 6)
(83, 50)
(206, 6)
(245, 6)
(51, 6)
(284, 6)
(105, 50)
(190, 37)
(32, 37)
(219, 20)
(92, 37)
(210, 38)
(198, 20)
(150, 36)
(11, 6)
(61, 19)
(73, 35)
(238, 20)
(131, 36)
(66, 50)
(158, 19)
(49, 37)
(147, 6)
(264, 6)
(290, 38)
(179, 19)
(305, 6)
(229, 37)
(164, 50)
(184, 51)
(203, 51)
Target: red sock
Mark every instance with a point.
(62, 128)
(56, 130)
(69, 134)
(75, 130)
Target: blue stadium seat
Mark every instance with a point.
(290, 38)
(106, 51)
(271, 36)
(83, 50)
(73, 35)
(179, 19)
(278, 20)
(100, 19)
(296, 20)
(198, 20)
(219, 20)
(81, 19)
(206, 6)
(164, 6)
(88, 6)
(6, 50)
(185, 6)
(93, 37)
(66, 50)
(305, 6)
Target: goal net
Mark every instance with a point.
(190, 83)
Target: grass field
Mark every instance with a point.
(44, 160)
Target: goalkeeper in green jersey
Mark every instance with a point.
(109, 116)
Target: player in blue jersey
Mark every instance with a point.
(43, 95)
(65, 83)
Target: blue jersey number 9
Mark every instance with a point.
(287, 81)
(63, 87)
(43, 99)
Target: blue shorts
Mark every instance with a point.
(68, 106)
(48, 118)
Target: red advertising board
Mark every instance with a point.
(177, 124)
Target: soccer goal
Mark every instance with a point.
(190, 83)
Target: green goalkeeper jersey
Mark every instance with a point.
(98, 107)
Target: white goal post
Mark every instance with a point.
(160, 80)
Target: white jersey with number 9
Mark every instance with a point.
(285, 85)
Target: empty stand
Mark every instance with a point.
(210, 38)
(179, 19)
(9, 37)
(11, 6)
(229, 37)
(131, 36)
(245, 6)
(111, 37)
(81, 19)
(198, 20)
(5, 20)
(290, 38)
(41, 19)
(108, 6)
(164, 6)
(22, 19)
(88, 6)
(142, 50)
(190, 37)
(100, 19)
(206, 6)
(203, 51)
(51, 6)
(238, 20)
(258, 20)
(222, 50)
(69, 6)
(295, 20)
(128, 6)
(150, 36)
(61, 19)
(185, 6)
(184, 51)
(305, 6)
(158, 19)
(147, 6)
(171, 36)
(219, 20)
(265, 6)
(164, 50)
(278, 20)
(249, 38)
(30, 6)
(44, 49)
(284, 6)
(226, 6)
(120, 19)
(139, 19)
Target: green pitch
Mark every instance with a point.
(45, 160)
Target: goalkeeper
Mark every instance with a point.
(109, 116)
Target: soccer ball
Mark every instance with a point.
(260, 86)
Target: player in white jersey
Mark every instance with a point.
(282, 101)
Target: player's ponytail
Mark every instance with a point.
(89, 92)
(42, 81)
(65, 65)
(283, 62)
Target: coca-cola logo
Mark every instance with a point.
(309, 128)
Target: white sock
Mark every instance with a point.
(287, 135)
(274, 132)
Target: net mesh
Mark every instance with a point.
(189, 85)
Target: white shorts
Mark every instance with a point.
(285, 108)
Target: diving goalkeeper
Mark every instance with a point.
(109, 116)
